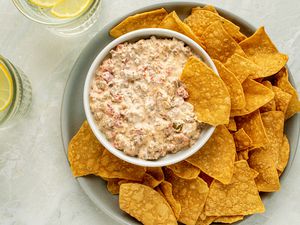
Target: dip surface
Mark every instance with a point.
(137, 100)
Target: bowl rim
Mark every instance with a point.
(142, 34)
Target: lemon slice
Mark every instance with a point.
(6, 88)
(44, 3)
(70, 8)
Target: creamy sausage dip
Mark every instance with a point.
(138, 102)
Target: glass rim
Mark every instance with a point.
(61, 22)
(14, 75)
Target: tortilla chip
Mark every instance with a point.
(233, 85)
(145, 204)
(282, 81)
(271, 105)
(242, 155)
(207, 92)
(282, 99)
(199, 20)
(112, 167)
(173, 22)
(185, 170)
(219, 44)
(150, 181)
(84, 152)
(284, 154)
(267, 180)
(206, 7)
(260, 49)
(256, 96)
(167, 190)
(242, 140)
(273, 122)
(243, 68)
(149, 19)
(228, 219)
(254, 127)
(156, 172)
(206, 178)
(231, 126)
(191, 194)
(207, 221)
(240, 197)
(113, 186)
(216, 157)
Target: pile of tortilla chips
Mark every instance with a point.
(248, 151)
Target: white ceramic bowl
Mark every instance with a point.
(133, 37)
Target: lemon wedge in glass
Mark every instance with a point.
(70, 8)
(44, 3)
(6, 88)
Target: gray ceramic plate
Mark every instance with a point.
(72, 115)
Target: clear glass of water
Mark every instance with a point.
(61, 26)
(21, 96)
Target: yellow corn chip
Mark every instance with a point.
(206, 7)
(242, 155)
(270, 106)
(242, 140)
(112, 167)
(156, 172)
(228, 219)
(282, 99)
(185, 170)
(273, 122)
(199, 20)
(282, 81)
(217, 156)
(260, 49)
(167, 190)
(150, 181)
(113, 186)
(231, 126)
(206, 221)
(219, 44)
(143, 20)
(267, 180)
(210, 8)
(284, 154)
(253, 126)
(191, 194)
(256, 96)
(243, 68)
(84, 152)
(173, 22)
(240, 197)
(207, 92)
(145, 204)
(233, 85)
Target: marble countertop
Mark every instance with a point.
(36, 184)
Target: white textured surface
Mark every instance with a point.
(36, 185)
